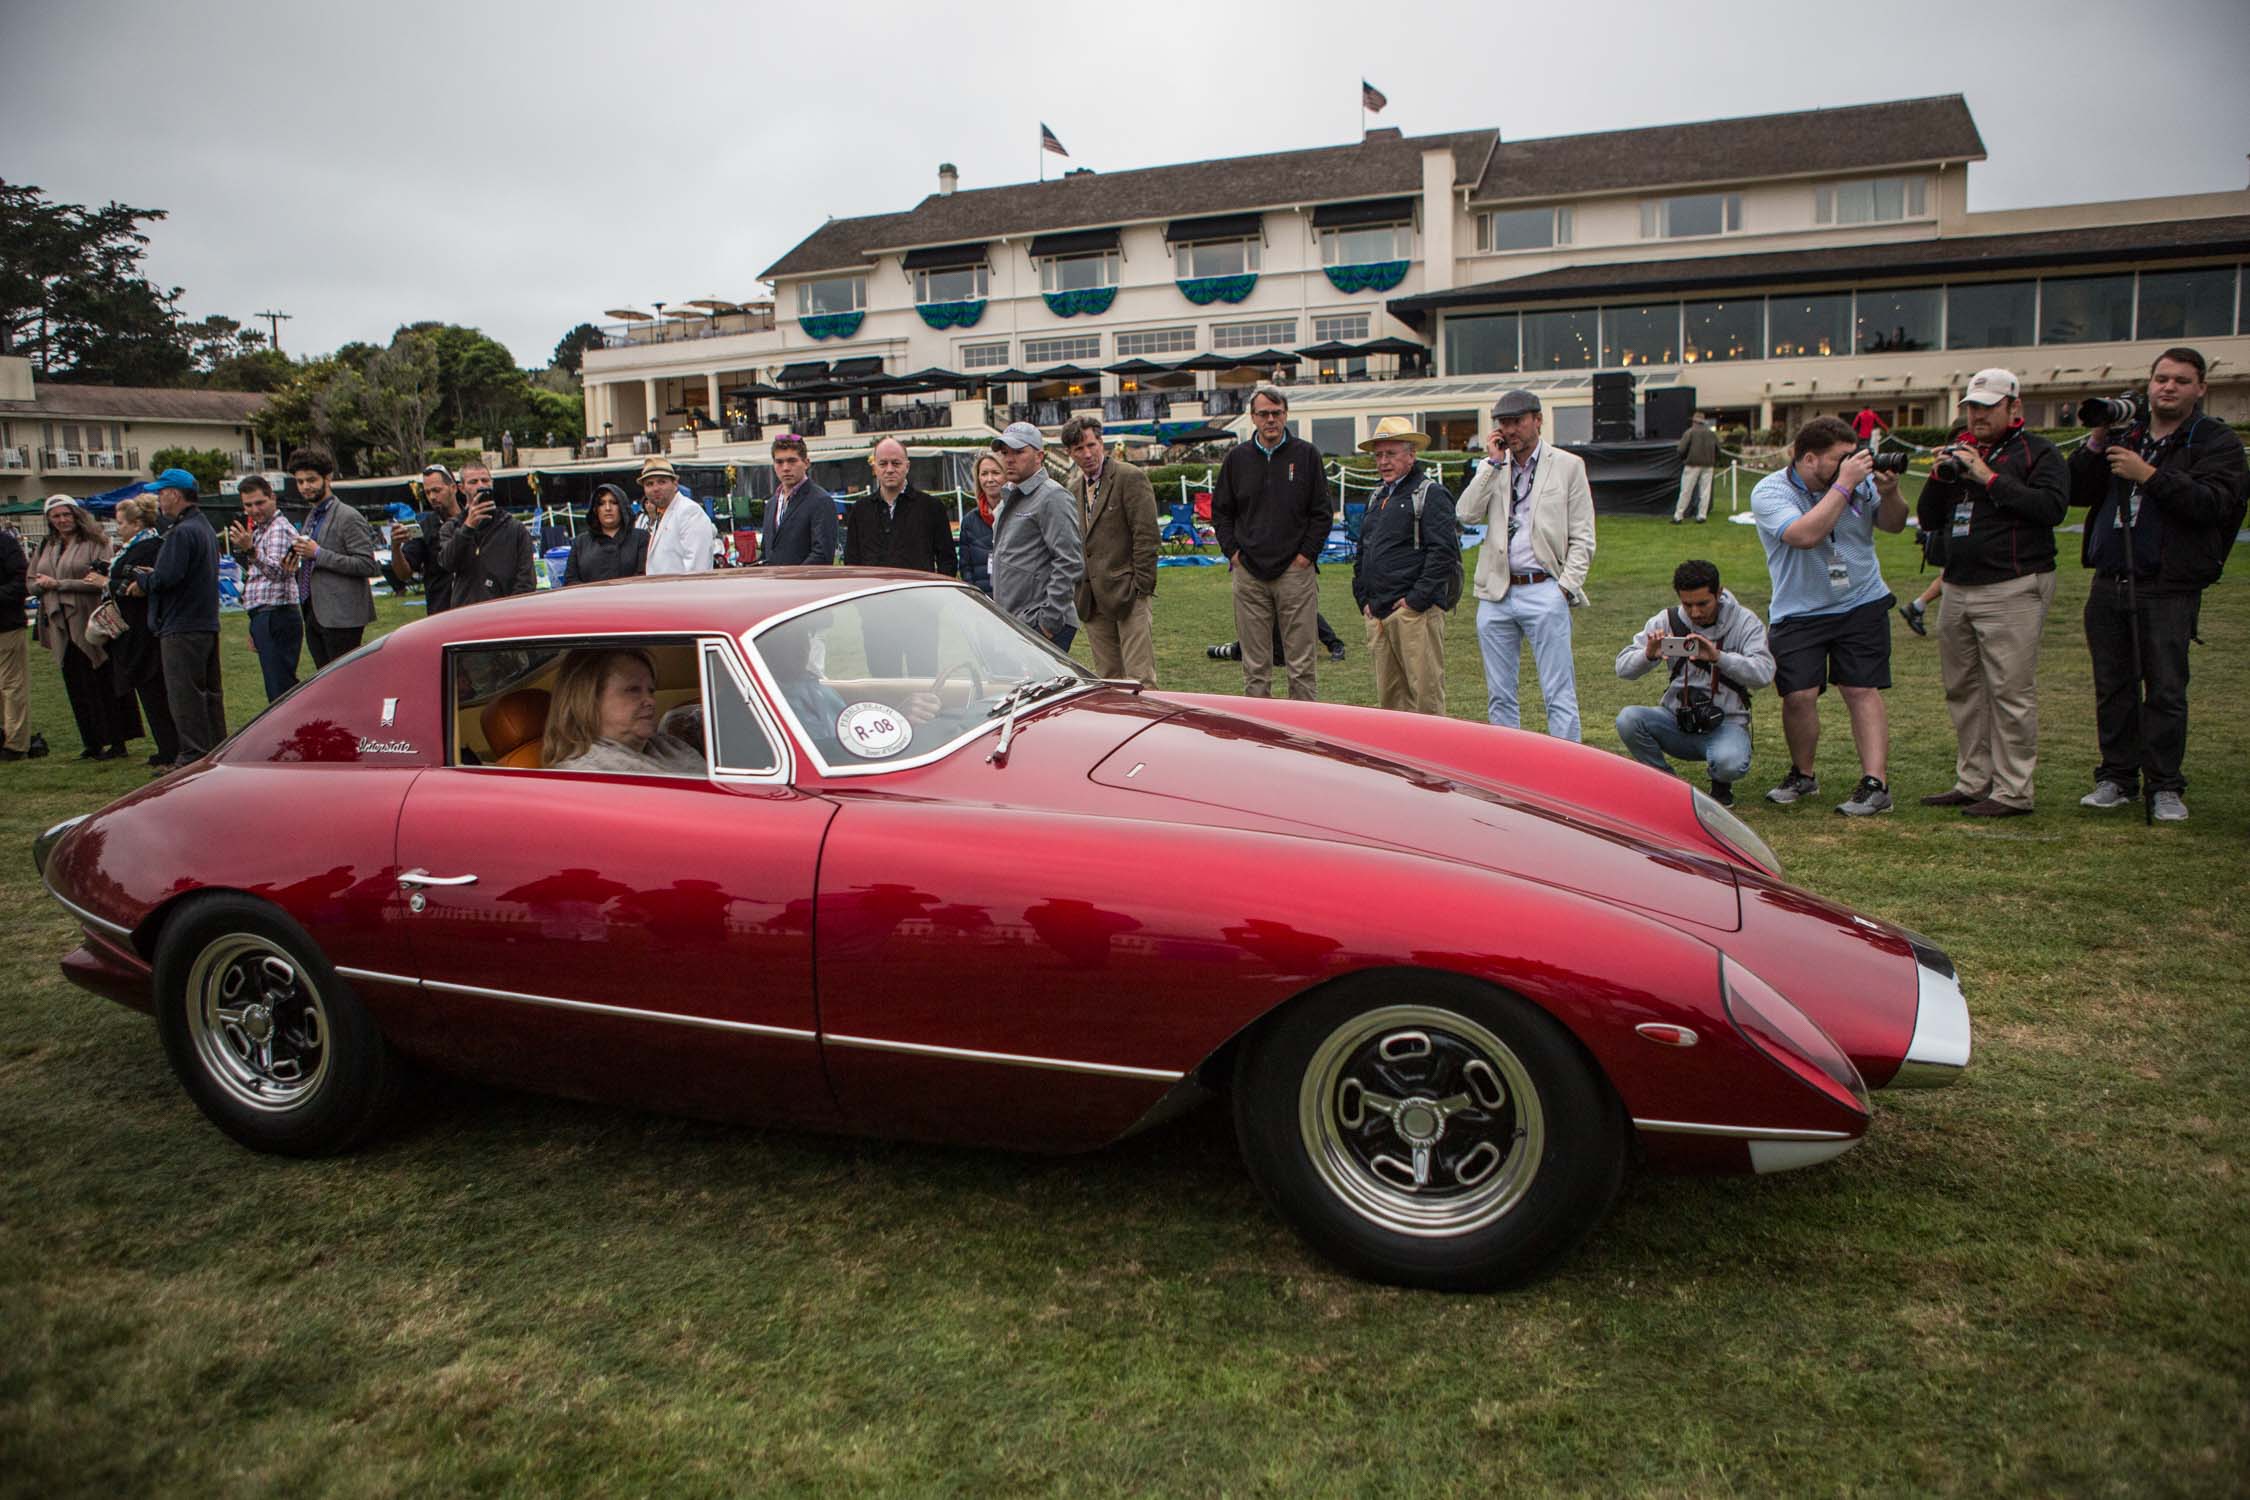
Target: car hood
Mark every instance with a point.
(1228, 770)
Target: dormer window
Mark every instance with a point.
(1523, 229)
(1366, 244)
(953, 284)
(1691, 216)
(1878, 200)
(1216, 258)
(829, 295)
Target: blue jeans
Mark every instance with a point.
(1650, 734)
(277, 631)
(1540, 611)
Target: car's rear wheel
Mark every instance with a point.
(1425, 1130)
(271, 1045)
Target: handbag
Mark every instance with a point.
(106, 623)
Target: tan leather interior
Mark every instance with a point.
(507, 730)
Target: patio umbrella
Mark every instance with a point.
(1134, 367)
(1270, 357)
(1009, 376)
(1394, 346)
(755, 391)
(715, 304)
(938, 376)
(1208, 362)
(1068, 372)
(628, 315)
(1333, 349)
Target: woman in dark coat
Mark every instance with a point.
(610, 546)
(976, 523)
(133, 659)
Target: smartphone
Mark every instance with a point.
(1674, 646)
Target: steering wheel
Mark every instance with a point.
(976, 682)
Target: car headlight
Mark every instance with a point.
(1731, 831)
(1790, 1037)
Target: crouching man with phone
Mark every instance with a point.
(1716, 653)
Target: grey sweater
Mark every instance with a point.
(1744, 657)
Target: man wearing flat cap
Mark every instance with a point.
(1038, 545)
(680, 535)
(1407, 572)
(1531, 572)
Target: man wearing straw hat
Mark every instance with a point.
(1407, 571)
(1531, 571)
(680, 535)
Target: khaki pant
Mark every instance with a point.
(1124, 646)
(1409, 653)
(1293, 598)
(1695, 481)
(1988, 647)
(15, 688)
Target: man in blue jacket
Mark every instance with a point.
(183, 613)
(1407, 572)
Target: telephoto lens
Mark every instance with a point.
(2107, 411)
(1890, 463)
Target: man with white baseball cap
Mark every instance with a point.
(1988, 514)
(1038, 545)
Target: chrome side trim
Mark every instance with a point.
(1742, 1132)
(43, 845)
(375, 977)
(98, 924)
(1012, 1059)
(1939, 1052)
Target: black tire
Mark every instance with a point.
(1503, 1184)
(271, 1045)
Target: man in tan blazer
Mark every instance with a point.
(1531, 571)
(1117, 506)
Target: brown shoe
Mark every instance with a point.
(1991, 809)
(1953, 799)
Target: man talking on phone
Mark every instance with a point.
(1715, 649)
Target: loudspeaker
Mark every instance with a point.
(1613, 408)
(1668, 413)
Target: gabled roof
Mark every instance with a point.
(136, 403)
(1813, 142)
(1382, 165)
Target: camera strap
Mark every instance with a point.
(1678, 625)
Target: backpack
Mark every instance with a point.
(1453, 583)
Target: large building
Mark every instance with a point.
(1782, 265)
(87, 439)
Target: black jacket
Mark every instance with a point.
(134, 654)
(2198, 489)
(2011, 522)
(1268, 511)
(976, 549)
(15, 587)
(1389, 567)
(917, 534)
(183, 592)
(490, 561)
(595, 557)
(807, 534)
(421, 554)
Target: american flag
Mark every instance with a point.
(1371, 98)
(1049, 141)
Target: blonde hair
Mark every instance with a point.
(140, 510)
(574, 711)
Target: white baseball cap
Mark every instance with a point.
(1990, 388)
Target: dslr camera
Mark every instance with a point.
(2113, 411)
(1885, 463)
(1947, 467)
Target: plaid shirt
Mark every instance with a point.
(263, 582)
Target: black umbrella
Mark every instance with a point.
(1333, 349)
(1068, 372)
(936, 376)
(1207, 362)
(1009, 376)
(1137, 367)
(1394, 346)
(1270, 357)
(754, 391)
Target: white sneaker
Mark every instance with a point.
(2170, 808)
(2106, 794)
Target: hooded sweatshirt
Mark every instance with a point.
(1745, 660)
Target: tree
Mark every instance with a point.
(319, 404)
(208, 465)
(401, 394)
(570, 354)
(251, 370)
(73, 298)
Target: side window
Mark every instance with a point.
(739, 743)
(626, 706)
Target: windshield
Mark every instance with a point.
(899, 676)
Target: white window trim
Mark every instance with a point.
(1112, 270)
(1030, 346)
(1913, 185)
(1333, 236)
(981, 293)
(1183, 252)
(1220, 332)
(1657, 212)
(1000, 364)
(804, 296)
(1141, 333)
(1562, 231)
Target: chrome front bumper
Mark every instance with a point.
(1939, 1052)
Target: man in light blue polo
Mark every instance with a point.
(1830, 621)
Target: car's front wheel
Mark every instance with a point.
(270, 1044)
(1424, 1130)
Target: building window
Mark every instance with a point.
(1691, 215)
(830, 295)
(983, 356)
(955, 284)
(1878, 200)
(1896, 319)
(1367, 245)
(2186, 304)
(1342, 328)
(1802, 327)
(1274, 332)
(1523, 229)
(1332, 435)
(1641, 335)
(1724, 330)
(1149, 341)
(1078, 273)
(1484, 344)
(1561, 340)
(1991, 315)
(2085, 309)
(1058, 351)
(1216, 258)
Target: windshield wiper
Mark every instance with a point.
(1020, 696)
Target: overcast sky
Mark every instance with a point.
(523, 167)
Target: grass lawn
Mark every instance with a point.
(2036, 1282)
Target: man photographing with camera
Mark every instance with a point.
(2165, 487)
(1988, 516)
(1716, 652)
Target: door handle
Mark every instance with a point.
(424, 877)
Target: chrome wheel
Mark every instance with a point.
(1421, 1121)
(259, 1025)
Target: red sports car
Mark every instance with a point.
(852, 849)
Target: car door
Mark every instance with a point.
(641, 939)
